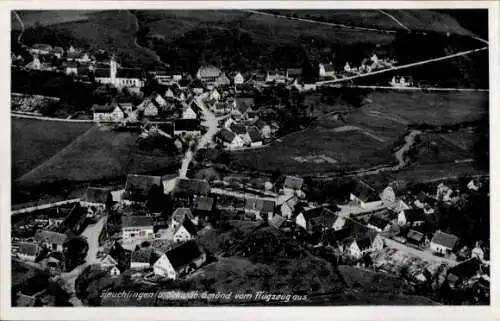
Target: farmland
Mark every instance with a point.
(46, 18)
(98, 155)
(34, 141)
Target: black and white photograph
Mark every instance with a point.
(252, 157)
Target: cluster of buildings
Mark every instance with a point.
(369, 65)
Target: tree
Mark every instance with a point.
(75, 251)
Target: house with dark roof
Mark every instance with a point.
(255, 137)
(190, 189)
(137, 226)
(222, 81)
(52, 240)
(28, 251)
(443, 243)
(97, 197)
(277, 221)
(463, 271)
(40, 49)
(362, 245)
(292, 184)
(229, 139)
(326, 70)
(179, 261)
(259, 207)
(141, 258)
(108, 113)
(181, 227)
(415, 238)
(187, 126)
(413, 217)
(204, 206)
(320, 218)
(378, 224)
(138, 187)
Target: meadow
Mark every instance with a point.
(34, 141)
(100, 154)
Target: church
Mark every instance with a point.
(130, 78)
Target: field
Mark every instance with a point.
(434, 148)
(431, 108)
(34, 141)
(351, 149)
(419, 20)
(98, 155)
(45, 18)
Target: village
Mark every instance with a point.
(151, 227)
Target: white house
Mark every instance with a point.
(188, 112)
(28, 251)
(71, 68)
(238, 79)
(137, 227)
(114, 271)
(179, 260)
(96, 197)
(358, 247)
(208, 74)
(181, 226)
(108, 113)
(214, 95)
(52, 240)
(230, 139)
(35, 64)
(443, 243)
(300, 220)
(378, 224)
(326, 70)
(411, 216)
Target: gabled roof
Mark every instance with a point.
(260, 124)
(53, 237)
(277, 221)
(186, 124)
(415, 236)
(130, 73)
(183, 255)
(192, 187)
(103, 108)
(259, 204)
(415, 214)
(137, 221)
(209, 71)
(184, 82)
(181, 213)
(42, 46)
(444, 239)
(28, 248)
(327, 218)
(142, 183)
(466, 269)
(243, 104)
(294, 72)
(378, 222)
(222, 80)
(365, 242)
(96, 195)
(197, 84)
(238, 129)
(254, 134)
(226, 135)
(189, 226)
(204, 204)
(141, 256)
(293, 182)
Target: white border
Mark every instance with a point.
(247, 313)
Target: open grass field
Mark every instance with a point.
(434, 148)
(431, 108)
(34, 141)
(98, 155)
(46, 17)
(336, 150)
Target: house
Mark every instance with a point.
(179, 261)
(360, 246)
(188, 112)
(184, 83)
(131, 78)
(137, 226)
(244, 104)
(277, 77)
(198, 86)
(181, 228)
(186, 126)
(204, 207)
(322, 218)
(238, 79)
(230, 139)
(378, 224)
(97, 197)
(288, 207)
(40, 49)
(277, 221)
(415, 238)
(443, 243)
(222, 81)
(478, 252)
(260, 207)
(474, 185)
(28, 251)
(113, 271)
(255, 138)
(52, 240)
(35, 64)
(462, 272)
(150, 107)
(326, 70)
(190, 189)
(208, 74)
(138, 187)
(339, 223)
(214, 95)
(292, 73)
(71, 68)
(264, 128)
(221, 108)
(414, 217)
(141, 259)
(106, 261)
(108, 113)
(292, 185)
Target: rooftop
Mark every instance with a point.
(183, 254)
(444, 239)
(137, 221)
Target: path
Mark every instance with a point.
(425, 255)
(349, 128)
(22, 27)
(151, 52)
(396, 20)
(43, 206)
(415, 88)
(18, 115)
(331, 24)
(418, 63)
(212, 124)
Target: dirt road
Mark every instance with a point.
(425, 255)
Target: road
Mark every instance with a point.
(92, 234)
(43, 206)
(396, 20)
(18, 115)
(22, 27)
(425, 255)
(414, 64)
(414, 88)
(212, 123)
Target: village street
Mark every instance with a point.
(92, 234)
(425, 255)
